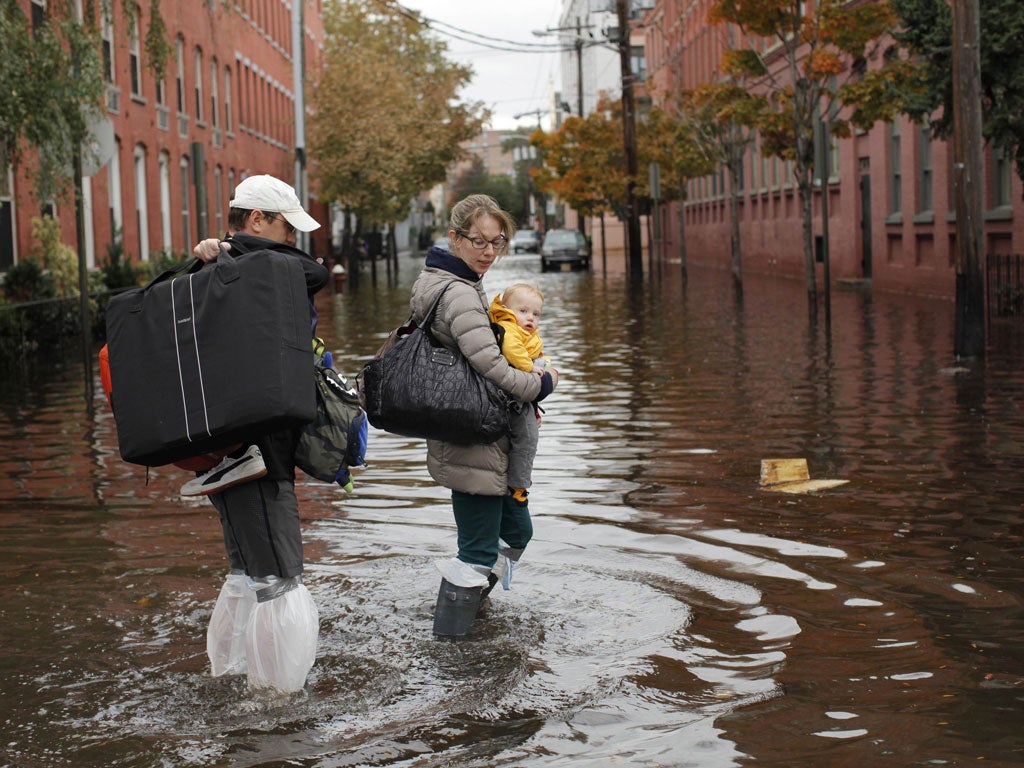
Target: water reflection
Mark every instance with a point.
(669, 612)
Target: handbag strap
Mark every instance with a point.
(429, 317)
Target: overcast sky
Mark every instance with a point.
(509, 83)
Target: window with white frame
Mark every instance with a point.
(107, 38)
(214, 93)
(141, 206)
(114, 194)
(38, 15)
(134, 57)
(8, 242)
(180, 80)
(198, 56)
(165, 201)
(186, 205)
(218, 198)
(227, 101)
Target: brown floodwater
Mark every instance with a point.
(670, 612)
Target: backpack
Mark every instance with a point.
(335, 441)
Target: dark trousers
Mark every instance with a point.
(482, 520)
(261, 527)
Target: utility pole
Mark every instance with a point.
(581, 219)
(636, 263)
(299, 88)
(969, 331)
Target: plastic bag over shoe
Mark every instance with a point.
(225, 636)
(281, 637)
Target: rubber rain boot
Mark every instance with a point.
(458, 598)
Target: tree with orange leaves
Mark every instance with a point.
(583, 163)
(818, 66)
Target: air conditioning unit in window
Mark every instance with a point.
(217, 139)
(163, 118)
(183, 126)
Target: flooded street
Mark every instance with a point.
(669, 611)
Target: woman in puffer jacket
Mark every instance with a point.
(491, 524)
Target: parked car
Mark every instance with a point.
(525, 241)
(443, 242)
(564, 249)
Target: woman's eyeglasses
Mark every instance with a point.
(480, 244)
(272, 217)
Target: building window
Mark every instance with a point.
(134, 58)
(180, 80)
(227, 100)
(165, 202)
(141, 207)
(925, 175)
(895, 173)
(186, 208)
(637, 63)
(38, 15)
(114, 193)
(753, 163)
(833, 158)
(1001, 158)
(218, 199)
(8, 242)
(214, 93)
(107, 37)
(199, 84)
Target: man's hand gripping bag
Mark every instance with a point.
(209, 357)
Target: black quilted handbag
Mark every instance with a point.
(418, 388)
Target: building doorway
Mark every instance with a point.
(865, 218)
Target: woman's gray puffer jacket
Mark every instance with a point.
(461, 322)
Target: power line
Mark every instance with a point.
(476, 38)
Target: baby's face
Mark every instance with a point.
(527, 308)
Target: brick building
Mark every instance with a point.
(224, 109)
(891, 204)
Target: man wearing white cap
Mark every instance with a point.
(265, 623)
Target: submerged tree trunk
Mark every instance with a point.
(604, 250)
(804, 190)
(681, 226)
(736, 262)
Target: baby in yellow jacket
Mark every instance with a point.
(518, 313)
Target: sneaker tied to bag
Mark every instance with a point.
(232, 470)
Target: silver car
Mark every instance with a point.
(525, 241)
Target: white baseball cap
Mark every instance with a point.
(266, 193)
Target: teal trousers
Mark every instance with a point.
(482, 520)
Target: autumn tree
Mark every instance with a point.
(927, 32)
(385, 120)
(674, 140)
(819, 67)
(583, 162)
(721, 118)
